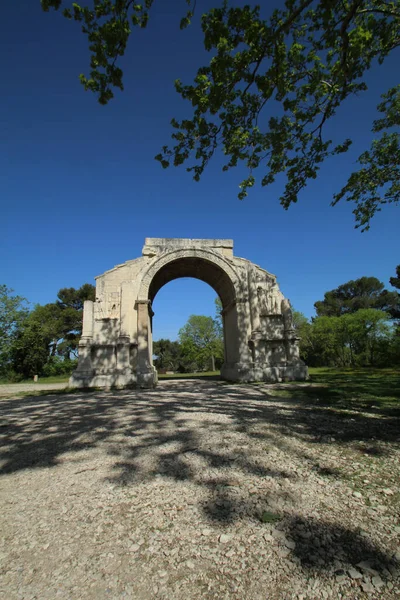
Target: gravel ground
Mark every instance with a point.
(197, 490)
(9, 389)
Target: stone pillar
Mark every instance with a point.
(238, 358)
(146, 373)
(253, 300)
(244, 329)
(124, 338)
(85, 343)
(88, 316)
(126, 311)
(83, 374)
(292, 346)
(123, 359)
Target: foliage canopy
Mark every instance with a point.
(201, 340)
(30, 341)
(13, 313)
(269, 89)
(365, 292)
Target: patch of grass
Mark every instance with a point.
(54, 379)
(202, 375)
(363, 389)
(269, 517)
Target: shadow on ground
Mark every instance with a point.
(161, 424)
(371, 390)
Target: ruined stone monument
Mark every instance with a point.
(116, 345)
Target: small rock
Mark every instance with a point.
(134, 548)
(393, 571)
(357, 494)
(340, 578)
(366, 567)
(367, 587)
(354, 574)
(290, 544)
(277, 533)
(206, 532)
(189, 564)
(377, 581)
(388, 492)
(340, 572)
(224, 538)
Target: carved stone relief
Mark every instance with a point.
(107, 305)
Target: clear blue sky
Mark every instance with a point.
(80, 189)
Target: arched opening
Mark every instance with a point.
(187, 328)
(198, 267)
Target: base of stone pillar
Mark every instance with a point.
(264, 372)
(277, 374)
(148, 378)
(296, 372)
(119, 380)
(236, 372)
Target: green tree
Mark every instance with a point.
(327, 348)
(365, 292)
(218, 317)
(60, 322)
(395, 281)
(13, 312)
(50, 331)
(201, 342)
(270, 87)
(303, 329)
(359, 338)
(169, 355)
(70, 303)
(364, 332)
(30, 349)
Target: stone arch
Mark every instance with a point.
(261, 343)
(201, 264)
(206, 265)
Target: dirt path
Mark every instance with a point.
(163, 493)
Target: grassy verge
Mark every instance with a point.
(202, 375)
(54, 379)
(357, 389)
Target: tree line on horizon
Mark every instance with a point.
(356, 324)
(43, 340)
